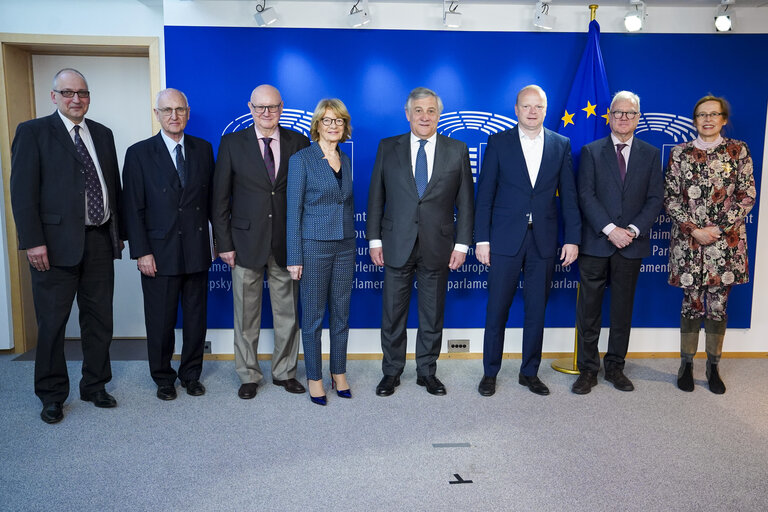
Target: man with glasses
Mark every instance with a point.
(65, 192)
(621, 190)
(249, 225)
(516, 230)
(166, 197)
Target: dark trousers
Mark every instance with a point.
(53, 291)
(503, 277)
(595, 274)
(161, 304)
(326, 281)
(432, 287)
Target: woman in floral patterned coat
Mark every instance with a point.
(709, 191)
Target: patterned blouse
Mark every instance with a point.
(713, 187)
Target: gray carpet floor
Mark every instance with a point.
(655, 449)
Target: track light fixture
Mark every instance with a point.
(541, 17)
(359, 16)
(264, 15)
(451, 18)
(635, 17)
(723, 16)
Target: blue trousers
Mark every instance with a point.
(326, 281)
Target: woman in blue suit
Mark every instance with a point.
(321, 242)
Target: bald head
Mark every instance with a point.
(266, 108)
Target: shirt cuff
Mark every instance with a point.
(374, 244)
(607, 229)
(634, 228)
(482, 243)
(461, 248)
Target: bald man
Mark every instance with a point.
(249, 224)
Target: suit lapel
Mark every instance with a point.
(612, 162)
(635, 160)
(60, 133)
(403, 151)
(517, 150)
(253, 154)
(163, 160)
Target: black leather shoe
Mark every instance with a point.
(584, 384)
(290, 385)
(685, 377)
(487, 386)
(534, 384)
(194, 387)
(387, 385)
(432, 383)
(52, 413)
(100, 398)
(247, 390)
(715, 382)
(619, 380)
(166, 392)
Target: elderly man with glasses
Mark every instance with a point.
(249, 225)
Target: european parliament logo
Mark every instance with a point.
(473, 128)
(665, 131)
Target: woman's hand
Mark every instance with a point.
(295, 271)
(706, 235)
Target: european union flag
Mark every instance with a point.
(583, 121)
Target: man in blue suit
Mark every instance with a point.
(167, 190)
(621, 190)
(516, 230)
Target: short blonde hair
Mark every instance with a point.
(337, 107)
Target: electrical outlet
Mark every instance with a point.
(458, 345)
(207, 347)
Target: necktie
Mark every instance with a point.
(269, 158)
(94, 195)
(181, 166)
(421, 169)
(622, 162)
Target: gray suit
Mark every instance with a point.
(418, 236)
(604, 200)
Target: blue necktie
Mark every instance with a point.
(421, 169)
(93, 192)
(181, 168)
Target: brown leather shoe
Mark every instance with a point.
(290, 385)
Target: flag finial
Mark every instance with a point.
(592, 11)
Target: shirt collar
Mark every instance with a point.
(275, 134)
(68, 124)
(170, 143)
(539, 137)
(415, 138)
(617, 141)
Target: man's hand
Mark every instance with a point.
(38, 257)
(457, 259)
(377, 256)
(295, 271)
(569, 253)
(147, 265)
(620, 237)
(483, 253)
(228, 258)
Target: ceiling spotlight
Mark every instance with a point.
(264, 15)
(542, 18)
(451, 18)
(723, 16)
(359, 16)
(635, 17)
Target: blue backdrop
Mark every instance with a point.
(477, 74)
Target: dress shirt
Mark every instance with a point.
(625, 152)
(85, 135)
(274, 144)
(429, 149)
(171, 145)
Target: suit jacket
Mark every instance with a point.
(318, 209)
(249, 212)
(398, 217)
(605, 199)
(161, 217)
(48, 187)
(505, 195)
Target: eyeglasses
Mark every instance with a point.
(538, 108)
(168, 111)
(260, 109)
(328, 121)
(71, 94)
(621, 114)
(708, 115)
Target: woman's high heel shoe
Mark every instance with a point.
(319, 400)
(343, 393)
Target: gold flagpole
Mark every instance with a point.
(566, 364)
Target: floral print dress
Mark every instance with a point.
(705, 188)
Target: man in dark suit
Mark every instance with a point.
(516, 230)
(249, 222)
(166, 198)
(65, 192)
(621, 190)
(419, 178)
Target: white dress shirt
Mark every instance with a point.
(625, 152)
(171, 145)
